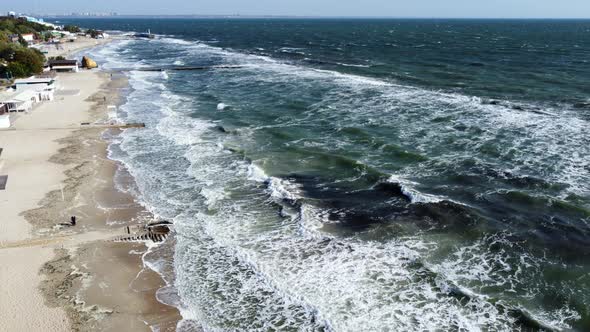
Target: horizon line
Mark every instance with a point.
(108, 15)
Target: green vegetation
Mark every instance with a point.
(17, 60)
(20, 26)
(93, 33)
(72, 28)
(22, 61)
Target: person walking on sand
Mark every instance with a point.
(73, 220)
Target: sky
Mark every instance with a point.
(377, 8)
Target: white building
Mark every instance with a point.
(34, 83)
(44, 88)
(63, 65)
(28, 37)
(4, 117)
(21, 102)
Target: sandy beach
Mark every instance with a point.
(60, 278)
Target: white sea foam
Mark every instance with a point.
(278, 189)
(264, 270)
(353, 65)
(414, 195)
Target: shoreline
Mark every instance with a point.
(88, 281)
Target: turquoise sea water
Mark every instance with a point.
(364, 175)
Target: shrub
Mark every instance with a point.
(4, 36)
(93, 33)
(71, 28)
(22, 61)
(31, 58)
(18, 69)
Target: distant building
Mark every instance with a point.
(39, 21)
(28, 37)
(11, 14)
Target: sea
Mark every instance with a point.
(362, 174)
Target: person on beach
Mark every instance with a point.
(73, 221)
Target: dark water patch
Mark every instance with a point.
(221, 129)
(296, 105)
(582, 105)
(446, 216)
(477, 174)
(442, 119)
(279, 134)
(323, 162)
(558, 228)
(357, 209)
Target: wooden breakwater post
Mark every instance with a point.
(156, 232)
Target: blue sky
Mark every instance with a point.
(390, 8)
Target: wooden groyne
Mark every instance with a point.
(155, 231)
(147, 236)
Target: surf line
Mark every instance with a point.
(183, 68)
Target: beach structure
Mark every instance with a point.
(44, 87)
(21, 101)
(64, 65)
(33, 83)
(28, 37)
(4, 116)
(3, 180)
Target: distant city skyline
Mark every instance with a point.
(324, 8)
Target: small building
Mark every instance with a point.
(28, 37)
(63, 65)
(34, 83)
(21, 102)
(4, 116)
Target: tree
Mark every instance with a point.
(93, 33)
(22, 41)
(47, 36)
(71, 28)
(4, 36)
(7, 51)
(31, 58)
(17, 69)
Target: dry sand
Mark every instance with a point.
(55, 170)
(68, 48)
